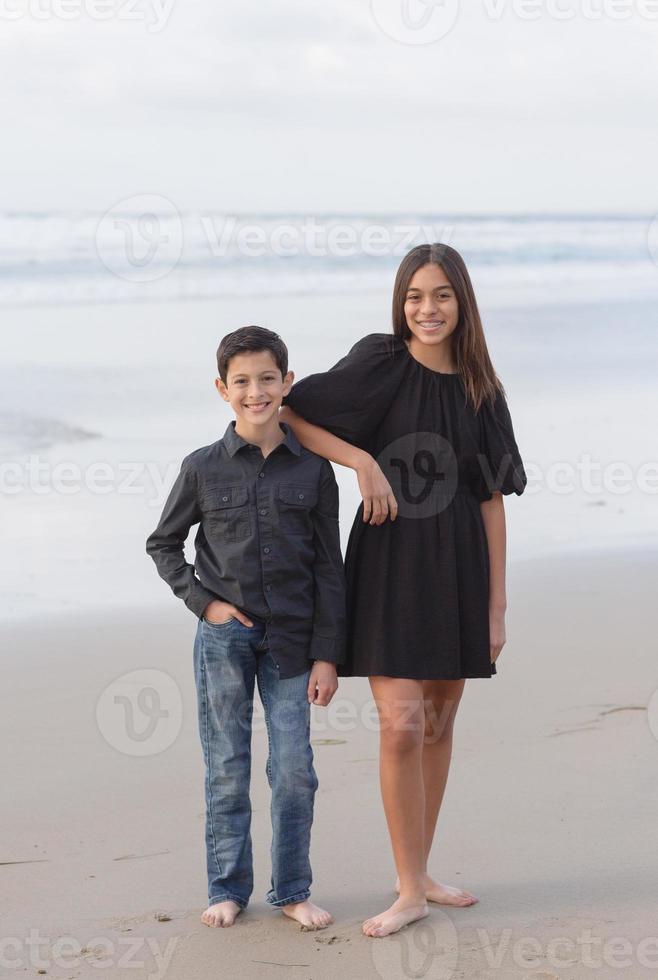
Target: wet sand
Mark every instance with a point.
(549, 816)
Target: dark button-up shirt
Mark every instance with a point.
(268, 542)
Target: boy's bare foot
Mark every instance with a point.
(444, 894)
(308, 915)
(400, 914)
(222, 914)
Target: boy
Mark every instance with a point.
(270, 597)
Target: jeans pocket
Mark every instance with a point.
(219, 625)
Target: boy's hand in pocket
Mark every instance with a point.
(322, 684)
(218, 612)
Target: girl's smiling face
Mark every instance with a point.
(430, 308)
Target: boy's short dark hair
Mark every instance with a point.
(248, 339)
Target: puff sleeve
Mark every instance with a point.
(351, 398)
(500, 464)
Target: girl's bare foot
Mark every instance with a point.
(222, 914)
(400, 914)
(444, 894)
(308, 915)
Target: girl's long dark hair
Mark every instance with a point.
(469, 345)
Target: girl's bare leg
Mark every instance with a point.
(441, 701)
(402, 729)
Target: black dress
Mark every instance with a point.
(418, 587)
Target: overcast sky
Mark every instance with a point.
(250, 105)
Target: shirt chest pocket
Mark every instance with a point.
(226, 514)
(295, 503)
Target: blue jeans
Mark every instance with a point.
(228, 658)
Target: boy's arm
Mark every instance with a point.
(166, 545)
(328, 640)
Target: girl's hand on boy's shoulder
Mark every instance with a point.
(322, 684)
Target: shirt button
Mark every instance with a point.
(261, 475)
(224, 499)
(301, 496)
(266, 550)
(262, 511)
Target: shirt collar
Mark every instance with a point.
(233, 441)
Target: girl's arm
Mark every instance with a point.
(493, 516)
(378, 499)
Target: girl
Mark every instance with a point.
(421, 416)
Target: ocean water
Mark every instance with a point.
(107, 382)
(138, 253)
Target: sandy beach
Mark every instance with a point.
(177, 171)
(549, 816)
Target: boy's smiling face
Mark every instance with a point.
(254, 387)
